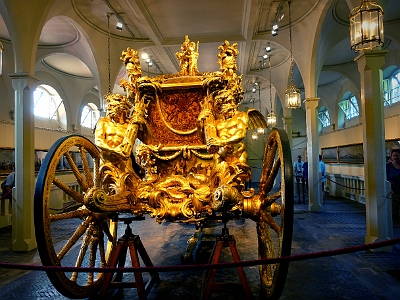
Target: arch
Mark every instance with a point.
(49, 79)
(48, 106)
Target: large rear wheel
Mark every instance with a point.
(73, 235)
(275, 223)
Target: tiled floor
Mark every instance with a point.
(362, 275)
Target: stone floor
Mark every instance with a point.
(362, 275)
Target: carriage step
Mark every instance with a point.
(136, 248)
(223, 241)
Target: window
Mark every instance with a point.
(90, 115)
(391, 89)
(324, 117)
(47, 102)
(349, 107)
(48, 108)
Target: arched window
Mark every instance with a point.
(391, 89)
(90, 115)
(324, 117)
(349, 106)
(49, 105)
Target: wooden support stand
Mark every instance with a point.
(223, 241)
(136, 248)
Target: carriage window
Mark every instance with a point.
(90, 115)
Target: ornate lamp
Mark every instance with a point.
(260, 130)
(366, 26)
(271, 118)
(254, 136)
(292, 94)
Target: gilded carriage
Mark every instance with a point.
(190, 165)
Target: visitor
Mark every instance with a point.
(393, 176)
(323, 177)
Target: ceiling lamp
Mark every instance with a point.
(292, 94)
(254, 136)
(260, 130)
(271, 118)
(268, 48)
(366, 26)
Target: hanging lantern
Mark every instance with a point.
(254, 136)
(292, 97)
(366, 26)
(292, 94)
(271, 119)
(260, 131)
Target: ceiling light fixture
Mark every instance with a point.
(119, 26)
(268, 48)
(292, 94)
(271, 118)
(366, 26)
(108, 55)
(278, 18)
(254, 136)
(260, 130)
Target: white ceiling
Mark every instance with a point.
(164, 24)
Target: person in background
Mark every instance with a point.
(9, 184)
(393, 176)
(323, 178)
(298, 173)
(305, 176)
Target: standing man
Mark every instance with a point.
(323, 179)
(298, 173)
(305, 177)
(7, 187)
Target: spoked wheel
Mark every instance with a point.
(75, 236)
(275, 225)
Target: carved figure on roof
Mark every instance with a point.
(130, 57)
(188, 58)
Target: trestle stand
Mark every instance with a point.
(136, 248)
(223, 241)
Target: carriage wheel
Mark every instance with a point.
(87, 238)
(275, 225)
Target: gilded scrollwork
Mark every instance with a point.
(191, 160)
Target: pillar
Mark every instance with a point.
(23, 233)
(287, 123)
(377, 209)
(314, 184)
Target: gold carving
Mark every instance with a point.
(192, 160)
(188, 58)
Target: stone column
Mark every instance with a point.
(314, 184)
(23, 233)
(377, 209)
(287, 123)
